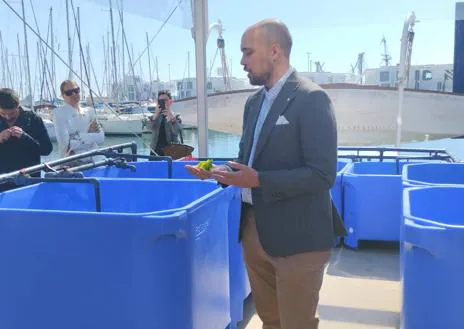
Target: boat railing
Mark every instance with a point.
(114, 156)
(50, 166)
(369, 153)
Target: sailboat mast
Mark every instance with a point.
(41, 74)
(149, 68)
(53, 47)
(81, 56)
(71, 75)
(28, 66)
(2, 50)
(156, 67)
(200, 30)
(123, 51)
(115, 70)
(21, 75)
(188, 65)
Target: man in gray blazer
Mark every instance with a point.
(286, 167)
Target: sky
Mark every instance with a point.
(333, 31)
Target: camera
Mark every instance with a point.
(162, 104)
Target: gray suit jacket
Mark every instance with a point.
(297, 165)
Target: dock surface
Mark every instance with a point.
(361, 290)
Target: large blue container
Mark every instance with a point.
(433, 174)
(372, 193)
(146, 169)
(428, 174)
(155, 257)
(433, 263)
(337, 188)
(238, 277)
(239, 283)
(143, 169)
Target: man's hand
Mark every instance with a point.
(205, 174)
(5, 135)
(16, 131)
(245, 176)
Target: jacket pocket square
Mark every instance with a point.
(282, 121)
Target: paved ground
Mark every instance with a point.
(361, 291)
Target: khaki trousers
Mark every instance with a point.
(285, 289)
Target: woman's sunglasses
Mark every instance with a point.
(69, 92)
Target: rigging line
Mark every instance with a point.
(44, 54)
(82, 56)
(40, 38)
(157, 32)
(212, 63)
(48, 46)
(60, 58)
(93, 71)
(88, 78)
(65, 63)
(40, 52)
(131, 64)
(10, 77)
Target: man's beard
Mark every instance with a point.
(258, 80)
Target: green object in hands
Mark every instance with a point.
(206, 165)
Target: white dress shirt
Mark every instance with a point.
(269, 98)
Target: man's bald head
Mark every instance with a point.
(266, 48)
(275, 32)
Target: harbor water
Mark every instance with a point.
(225, 145)
(220, 145)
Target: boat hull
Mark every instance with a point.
(365, 116)
(122, 126)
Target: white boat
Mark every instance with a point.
(114, 124)
(132, 121)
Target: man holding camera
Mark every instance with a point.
(164, 125)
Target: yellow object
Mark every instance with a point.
(206, 165)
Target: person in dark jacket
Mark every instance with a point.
(164, 124)
(23, 136)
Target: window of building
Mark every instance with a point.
(427, 75)
(384, 76)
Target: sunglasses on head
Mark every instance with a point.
(69, 92)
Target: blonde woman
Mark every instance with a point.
(77, 129)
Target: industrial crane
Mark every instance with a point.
(221, 48)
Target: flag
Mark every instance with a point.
(182, 10)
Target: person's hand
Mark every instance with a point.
(157, 113)
(244, 176)
(5, 135)
(168, 114)
(205, 174)
(93, 128)
(16, 131)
